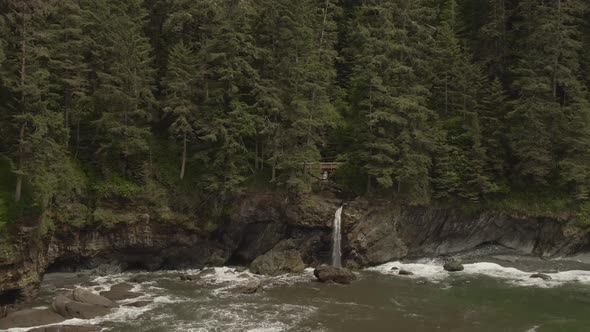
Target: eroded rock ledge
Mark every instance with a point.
(266, 227)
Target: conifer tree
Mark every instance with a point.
(180, 97)
(125, 74)
(67, 46)
(27, 79)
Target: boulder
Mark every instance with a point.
(65, 328)
(70, 308)
(84, 296)
(186, 277)
(119, 292)
(278, 261)
(395, 268)
(59, 304)
(405, 273)
(453, 266)
(373, 239)
(115, 295)
(251, 287)
(138, 304)
(28, 318)
(138, 279)
(326, 273)
(82, 310)
(206, 272)
(241, 269)
(541, 276)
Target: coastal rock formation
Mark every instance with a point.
(275, 234)
(328, 273)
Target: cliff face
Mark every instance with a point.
(267, 228)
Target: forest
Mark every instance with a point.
(185, 104)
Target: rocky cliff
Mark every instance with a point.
(277, 234)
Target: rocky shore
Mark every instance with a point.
(274, 234)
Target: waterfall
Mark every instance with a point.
(336, 236)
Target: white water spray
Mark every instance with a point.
(336, 236)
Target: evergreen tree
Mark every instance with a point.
(69, 70)
(290, 95)
(27, 79)
(180, 96)
(548, 88)
(123, 95)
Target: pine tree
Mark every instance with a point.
(548, 89)
(67, 45)
(289, 95)
(494, 36)
(27, 80)
(124, 96)
(461, 162)
(180, 96)
(390, 90)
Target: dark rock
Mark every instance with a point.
(278, 261)
(122, 287)
(326, 273)
(69, 308)
(31, 317)
(82, 310)
(241, 269)
(395, 268)
(84, 296)
(66, 328)
(541, 276)
(206, 272)
(138, 304)
(453, 266)
(186, 277)
(115, 295)
(405, 273)
(139, 279)
(373, 239)
(251, 287)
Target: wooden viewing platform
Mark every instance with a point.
(324, 166)
(322, 169)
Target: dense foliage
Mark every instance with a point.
(190, 101)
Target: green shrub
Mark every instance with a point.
(116, 186)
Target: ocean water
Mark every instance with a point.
(496, 294)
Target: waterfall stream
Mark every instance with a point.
(336, 236)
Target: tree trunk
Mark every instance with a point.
(183, 167)
(19, 177)
(256, 156)
(77, 138)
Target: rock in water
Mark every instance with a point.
(120, 292)
(326, 273)
(277, 262)
(405, 273)
(73, 309)
(251, 287)
(206, 272)
(453, 266)
(85, 311)
(139, 304)
(28, 318)
(186, 277)
(65, 328)
(84, 296)
(541, 276)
